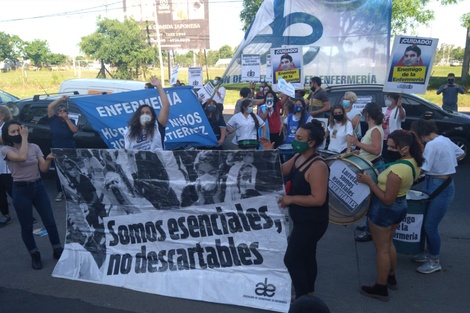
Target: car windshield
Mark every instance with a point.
(5, 97)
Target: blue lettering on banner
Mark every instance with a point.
(187, 124)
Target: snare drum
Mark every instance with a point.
(286, 152)
(349, 199)
(248, 144)
(327, 154)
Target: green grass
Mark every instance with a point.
(28, 83)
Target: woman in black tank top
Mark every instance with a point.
(307, 200)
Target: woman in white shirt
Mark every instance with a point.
(394, 115)
(440, 160)
(339, 129)
(245, 124)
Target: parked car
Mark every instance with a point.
(454, 125)
(32, 112)
(5, 97)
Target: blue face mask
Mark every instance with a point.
(211, 108)
(346, 103)
(249, 110)
(298, 109)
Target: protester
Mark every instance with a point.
(394, 115)
(295, 120)
(307, 199)
(440, 160)
(388, 206)
(149, 86)
(62, 130)
(339, 129)
(318, 98)
(272, 114)
(26, 161)
(217, 122)
(6, 181)
(354, 114)
(370, 147)
(246, 93)
(219, 92)
(147, 131)
(450, 93)
(245, 124)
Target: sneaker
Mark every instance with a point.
(36, 260)
(392, 282)
(376, 291)
(429, 267)
(5, 220)
(420, 258)
(59, 197)
(364, 237)
(57, 252)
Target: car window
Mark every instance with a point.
(414, 107)
(34, 114)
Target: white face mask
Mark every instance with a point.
(215, 81)
(388, 102)
(144, 119)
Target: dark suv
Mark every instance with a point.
(33, 114)
(453, 125)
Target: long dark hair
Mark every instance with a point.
(245, 104)
(135, 128)
(423, 127)
(212, 115)
(6, 138)
(332, 117)
(375, 112)
(302, 119)
(403, 138)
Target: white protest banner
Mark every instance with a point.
(206, 92)
(410, 64)
(343, 42)
(157, 221)
(285, 87)
(195, 77)
(287, 64)
(409, 230)
(269, 69)
(251, 67)
(343, 183)
(174, 74)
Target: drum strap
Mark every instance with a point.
(410, 165)
(440, 188)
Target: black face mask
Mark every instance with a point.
(338, 117)
(393, 156)
(16, 139)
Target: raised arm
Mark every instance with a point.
(165, 109)
(53, 104)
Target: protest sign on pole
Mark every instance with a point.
(195, 77)
(174, 75)
(410, 64)
(251, 67)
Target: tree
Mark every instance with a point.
(465, 19)
(406, 15)
(11, 47)
(38, 51)
(57, 58)
(122, 44)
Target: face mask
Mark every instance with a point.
(144, 119)
(338, 117)
(215, 81)
(16, 139)
(211, 108)
(261, 88)
(249, 110)
(393, 156)
(450, 81)
(208, 182)
(300, 146)
(298, 109)
(269, 102)
(388, 102)
(346, 103)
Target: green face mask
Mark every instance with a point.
(300, 146)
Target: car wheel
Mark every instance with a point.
(463, 144)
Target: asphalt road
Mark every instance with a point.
(344, 265)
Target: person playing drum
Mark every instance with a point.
(388, 206)
(245, 124)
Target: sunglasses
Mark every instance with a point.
(62, 110)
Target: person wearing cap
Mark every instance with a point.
(62, 130)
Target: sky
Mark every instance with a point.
(63, 22)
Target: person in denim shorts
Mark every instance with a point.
(389, 206)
